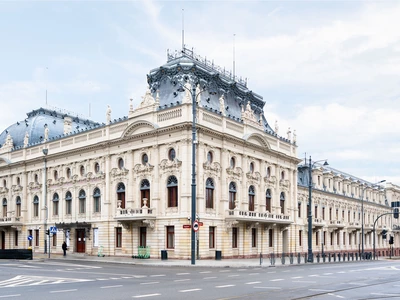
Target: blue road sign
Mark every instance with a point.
(30, 238)
(53, 229)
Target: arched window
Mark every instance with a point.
(55, 204)
(145, 192)
(68, 173)
(145, 159)
(251, 167)
(68, 203)
(96, 200)
(82, 201)
(18, 206)
(232, 195)
(36, 206)
(4, 208)
(171, 154)
(172, 186)
(82, 170)
(55, 174)
(120, 163)
(251, 198)
(121, 194)
(96, 167)
(209, 193)
(18, 181)
(232, 163)
(283, 175)
(282, 203)
(36, 178)
(268, 200)
(209, 157)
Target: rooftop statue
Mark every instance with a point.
(108, 115)
(222, 104)
(276, 127)
(188, 89)
(147, 99)
(289, 134)
(46, 133)
(198, 95)
(26, 139)
(9, 141)
(294, 136)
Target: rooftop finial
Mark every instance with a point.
(183, 29)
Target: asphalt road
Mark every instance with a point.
(76, 280)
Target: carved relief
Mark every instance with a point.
(170, 164)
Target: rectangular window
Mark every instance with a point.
(323, 213)
(324, 240)
(173, 196)
(36, 237)
(300, 237)
(209, 198)
(232, 196)
(317, 238)
(337, 214)
(18, 210)
(211, 237)
(251, 202)
(95, 237)
(268, 203)
(332, 237)
(344, 238)
(143, 237)
(96, 204)
(30, 240)
(337, 239)
(316, 211)
(55, 208)
(118, 237)
(271, 238)
(36, 209)
(82, 206)
(54, 238)
(282, 202)
(299, 210)
(253, 237)
(330, 213)
(16, 238)
(170, 237)
(235, 237)
(68, 207)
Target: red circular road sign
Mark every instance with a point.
(196, 226)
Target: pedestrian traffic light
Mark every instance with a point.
(391, 240)
(396, 213)
(384, 232)
(48, 231)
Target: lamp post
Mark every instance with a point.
(45, 152)
(362, 217)
(194, 142)
(310, 257)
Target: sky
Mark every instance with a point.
(328, 69)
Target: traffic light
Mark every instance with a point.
(391, 240)
(396, 213)
(48, 231)
(384, 232)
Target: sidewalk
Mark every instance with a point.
(228, 263)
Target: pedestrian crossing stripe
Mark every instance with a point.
(23, 280)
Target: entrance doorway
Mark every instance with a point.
(3, 240)
(80, 241)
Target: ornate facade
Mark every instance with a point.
(115, 187)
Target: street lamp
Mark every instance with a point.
(45, 152)
(362, 216)
(311, 165)
(194, 142)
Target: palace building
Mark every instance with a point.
(117, 187)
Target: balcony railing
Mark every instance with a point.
(265, 217)
(336, 224)
(135, 213)
(10, 221)
(318, 222)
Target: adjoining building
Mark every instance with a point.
(125, 185)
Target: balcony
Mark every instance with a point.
(11, 221)
(318, 222)
(135, 214)
(336, 224)
(262, 217)
(354, 225)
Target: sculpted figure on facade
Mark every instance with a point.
(26, 139)
(9, 141)
(147, 99)
(46, 132)
(289, 134)
(294, 136)
(198, 95)
(188, 95)
(276, 127)
(108, 115)
(222, 104)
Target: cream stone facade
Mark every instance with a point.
(115, 187)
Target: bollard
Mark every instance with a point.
(261, 258)
(291, 258)
(318, 258)
(283, 258)
(298, 258)
(338, 257)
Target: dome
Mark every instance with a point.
(35, 124)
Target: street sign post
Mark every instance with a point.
(53, 229)
(195, 226)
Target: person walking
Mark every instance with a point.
(64, 247)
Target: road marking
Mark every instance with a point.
(179, 274)
(313, 275)
(267, 287)
(187, 291)
(101, 279)
(224, 286)
(205, 272)
(304, 281)
(383, 294)
(139, 276)
(235, 275)
(327, 274)
(280, 279)
(114, 278)
(254, 282)
(110, 286)
(341, 272)
(337, 296)
(148, 295)
(152, 282)
(63, 291)
(319, 290)
(298, 277)
(209, 277)
(254, 274)
(9, 296)
(241, 270)
(180, 280)
(356, 283)
(271, 272)
(224, 271)
(160, 275)
(127, 277)
(39, 282)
